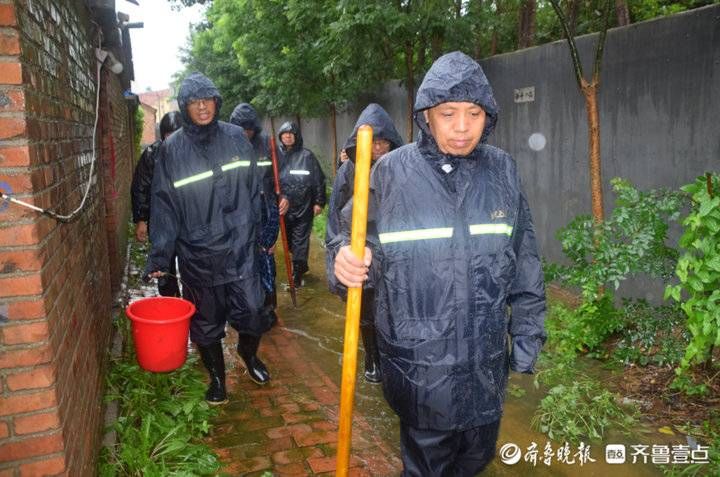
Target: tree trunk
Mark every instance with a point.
(272, 127)
(590, 92)
(299, 122)
(498, 21)
(410, 87)
(526, 24)
(333, 120)
(572, 11)
(436, 45)
(622, 12)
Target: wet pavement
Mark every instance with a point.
(289, 427)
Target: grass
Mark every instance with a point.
(162, 417)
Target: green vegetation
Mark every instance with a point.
(682, 334)
(651, 335)
(310, 57)
(629, 242)
(162, 417)
(698, 270)
(320, 224)
(580, 411)
(137, 134)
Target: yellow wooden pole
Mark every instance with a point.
(352, 312)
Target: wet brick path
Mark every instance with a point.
(289, 427)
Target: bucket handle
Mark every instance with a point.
(148, 278)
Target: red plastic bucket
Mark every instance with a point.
(160, 327)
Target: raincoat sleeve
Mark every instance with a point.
(527, 296)
(319, 194)
(342, 238)
(141, 184)
(270, 221)
(165, 226)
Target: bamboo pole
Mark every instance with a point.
(354, 298)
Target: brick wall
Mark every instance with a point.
(57, 279)
(150, 123)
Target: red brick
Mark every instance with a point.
(7, 14)
(282, 443)
(279, 432)
(39, 377)
(360, 472)
(10, 73)
(18, 235)
(20, 261)
(36, 423)
(7, 473)
(11, 127)
(31, 447)
(19, 183)
(52, 466)
(26, 309)
(322, 464)
(16, 156)
(16, 404)
(25, 357)
(4, 430)
(314, 438)
(24, 333)
(22, 285)
(12, 100)
(244, 466)
(9, 43)
(297, 468)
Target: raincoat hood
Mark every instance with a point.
(245, 116)
(198, 86)
(169, 123)
(289, 126)
(455, 77)
(383, 128)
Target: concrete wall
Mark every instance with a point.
(659, 106)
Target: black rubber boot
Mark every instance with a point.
(214, 361)
(299, 269)
(373, 374)
(247, 349)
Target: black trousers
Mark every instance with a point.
(239, 303)
(298, 231)
(431, 453)
(168, 286)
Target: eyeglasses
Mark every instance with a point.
(200, 102)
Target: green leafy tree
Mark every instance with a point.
(698, 270)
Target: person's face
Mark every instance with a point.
(201, 111)
(249, 133)
(380, 147)
(457, 126)
(287, 138)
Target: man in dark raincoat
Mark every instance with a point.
(140, 193)
(206, 207)
(385, 139)
(245, 116)
(303, 182)
(452, 234)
